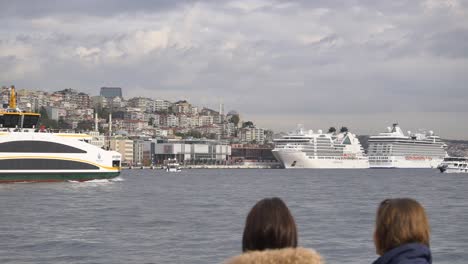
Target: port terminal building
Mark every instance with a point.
(191, 151)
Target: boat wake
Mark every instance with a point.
(117, 179)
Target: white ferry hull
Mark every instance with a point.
(403, 163)
(299, 160)
(46, 157)
(455, 170)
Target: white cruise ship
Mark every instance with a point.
(320, 150)
(394, 149)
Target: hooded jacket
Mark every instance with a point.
(278, 256)
(413, 253)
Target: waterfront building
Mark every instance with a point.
(138, 152)
(147, 153)
(191, 151)
(252, 152)
(124, 146)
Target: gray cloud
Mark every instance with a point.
(28, 9)
(264, 58)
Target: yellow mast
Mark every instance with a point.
(12, 98)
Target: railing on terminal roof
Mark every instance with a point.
(250, 146)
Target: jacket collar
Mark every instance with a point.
(405, 254)
(278, 256)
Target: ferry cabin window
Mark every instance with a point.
(30, 121)
(34, 146)
(44, 164)
(11, 120)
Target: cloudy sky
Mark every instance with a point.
(360, 63)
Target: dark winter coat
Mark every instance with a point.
(413, 253)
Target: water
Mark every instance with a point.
(197, 216)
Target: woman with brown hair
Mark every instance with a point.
(402, 233)
(270, 236)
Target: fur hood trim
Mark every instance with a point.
(278, 256)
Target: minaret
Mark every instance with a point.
(96, 124)
(221, 108)
(110, 124)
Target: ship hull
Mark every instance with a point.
(454, 170)
(299, 160)
(12, 177)
(403, 163)
(49, 157)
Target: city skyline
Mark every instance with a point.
(361, 64)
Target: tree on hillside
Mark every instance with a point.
(63, 124)
(85, 125)
(102, 112)
(194, 134)
(211, 136)
(247, 124)
(43, 113)
(235, 119)
(45, 121)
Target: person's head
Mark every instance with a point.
(400, 221)
(269, 225)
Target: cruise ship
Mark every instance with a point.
(394, 149)
(28, 154)
(309, 150)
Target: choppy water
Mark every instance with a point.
(197, 216)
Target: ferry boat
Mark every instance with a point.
(172, 166)
(394, 149)
(28, 154)
(454, 165)
(301, 149)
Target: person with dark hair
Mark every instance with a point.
(402, 233)
(270, 236)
